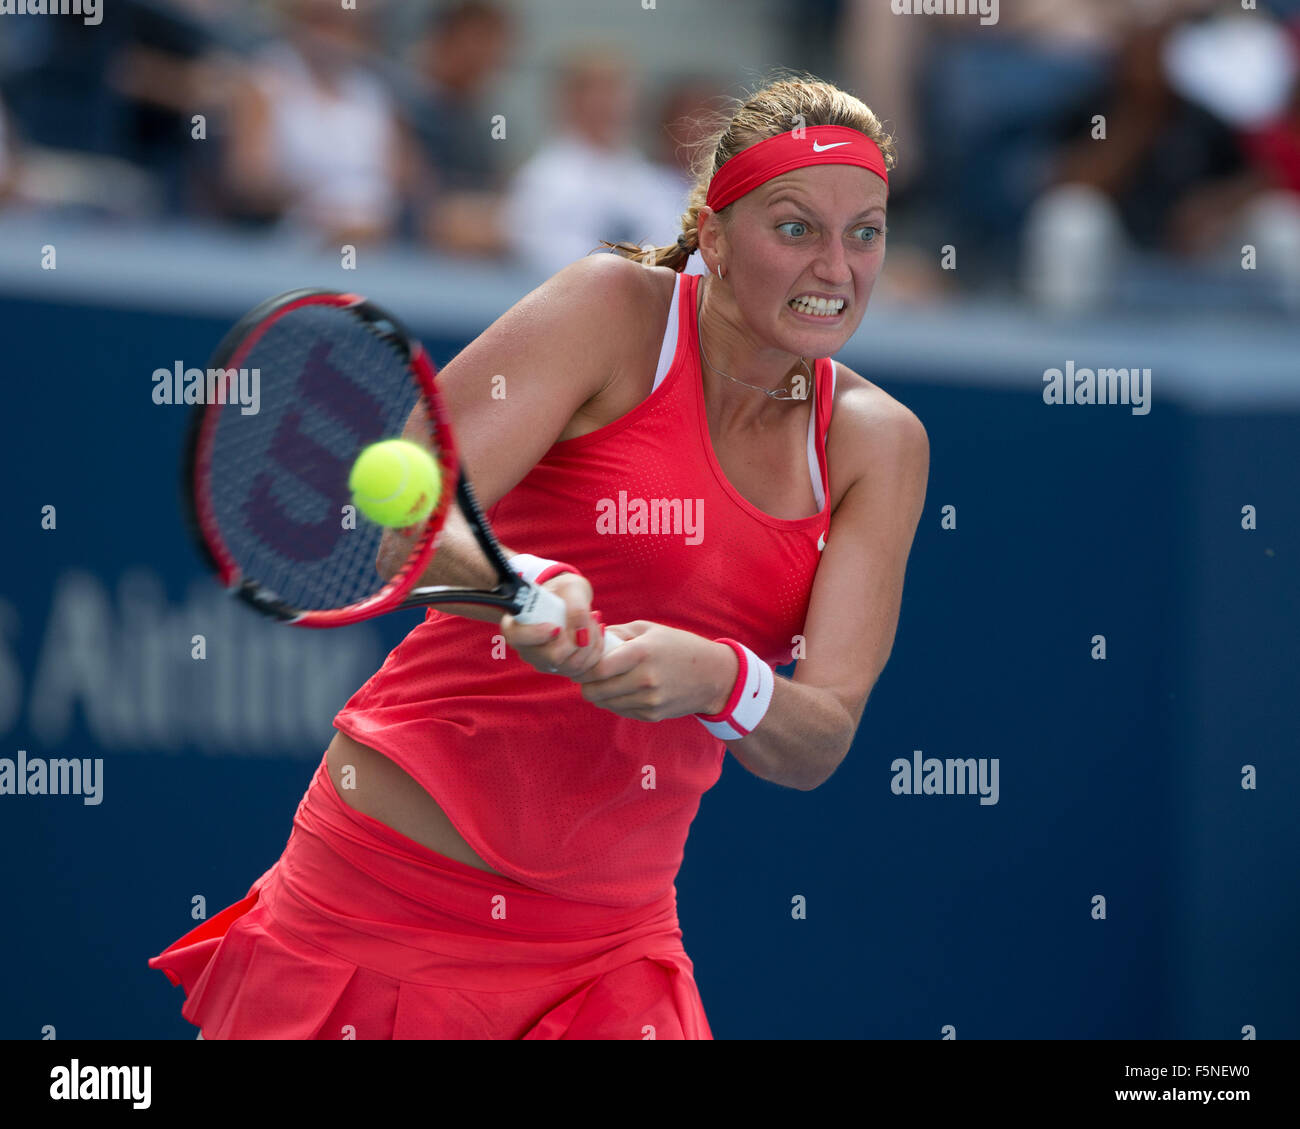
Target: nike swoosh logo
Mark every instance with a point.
(822, 148)
(821, 542)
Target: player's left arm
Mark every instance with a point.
(663, 672)
(854, 606)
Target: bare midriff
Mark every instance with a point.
(379, 788)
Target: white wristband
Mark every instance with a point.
(537, 570)
(749, 698)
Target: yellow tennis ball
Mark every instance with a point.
(395, 483)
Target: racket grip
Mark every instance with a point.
(543, 606)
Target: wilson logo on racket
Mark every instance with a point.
(322, 398)
(267, 495)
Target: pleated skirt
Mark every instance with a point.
(359, 932)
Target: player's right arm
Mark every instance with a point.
(510, 394)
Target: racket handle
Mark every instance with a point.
(540, 605)
(543, 606)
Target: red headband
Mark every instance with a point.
(812, 145)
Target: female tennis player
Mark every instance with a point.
(489, 846)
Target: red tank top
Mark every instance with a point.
(549, 789)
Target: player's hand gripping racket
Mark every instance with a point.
(265, 491)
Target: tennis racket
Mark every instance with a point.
(264, 491)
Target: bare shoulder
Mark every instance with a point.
(637, 298)
(660, 282)
(652, 291)
(605, 274)
(634, 298)
(606, 295)
(627, 278)
(607, 289)
(604, 313)
(871, 432)
(645, 292)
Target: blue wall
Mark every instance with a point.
(1119, 778)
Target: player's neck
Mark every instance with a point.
(744, 406)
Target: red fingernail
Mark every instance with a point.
(598, 618)
(555, 634)
(582, 637)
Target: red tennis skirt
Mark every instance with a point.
(359, 932)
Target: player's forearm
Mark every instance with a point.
(459, 562)
(801, 740)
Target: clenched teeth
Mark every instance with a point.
(817, 306)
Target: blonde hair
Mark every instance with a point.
(778, 107)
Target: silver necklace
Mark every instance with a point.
(774, 393)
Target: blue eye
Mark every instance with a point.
(875, 232)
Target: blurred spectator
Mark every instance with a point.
(953, 74)
(1243, 71)
(1200, 121)
(100, 106)
(981, 112)
(454, 62)
(452, 65)
(72, 130)
(691, 109)
(1274, 145)
(589, 183)
(182, 59)
(55, 83)
(314, 137)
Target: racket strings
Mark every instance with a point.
(278, 479)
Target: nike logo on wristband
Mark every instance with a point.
(822, 148)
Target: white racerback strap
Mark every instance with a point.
(813, 468)
(669, 348)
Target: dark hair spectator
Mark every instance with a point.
(442, 91)
(1198, 115)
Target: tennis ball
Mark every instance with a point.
(395, 483)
